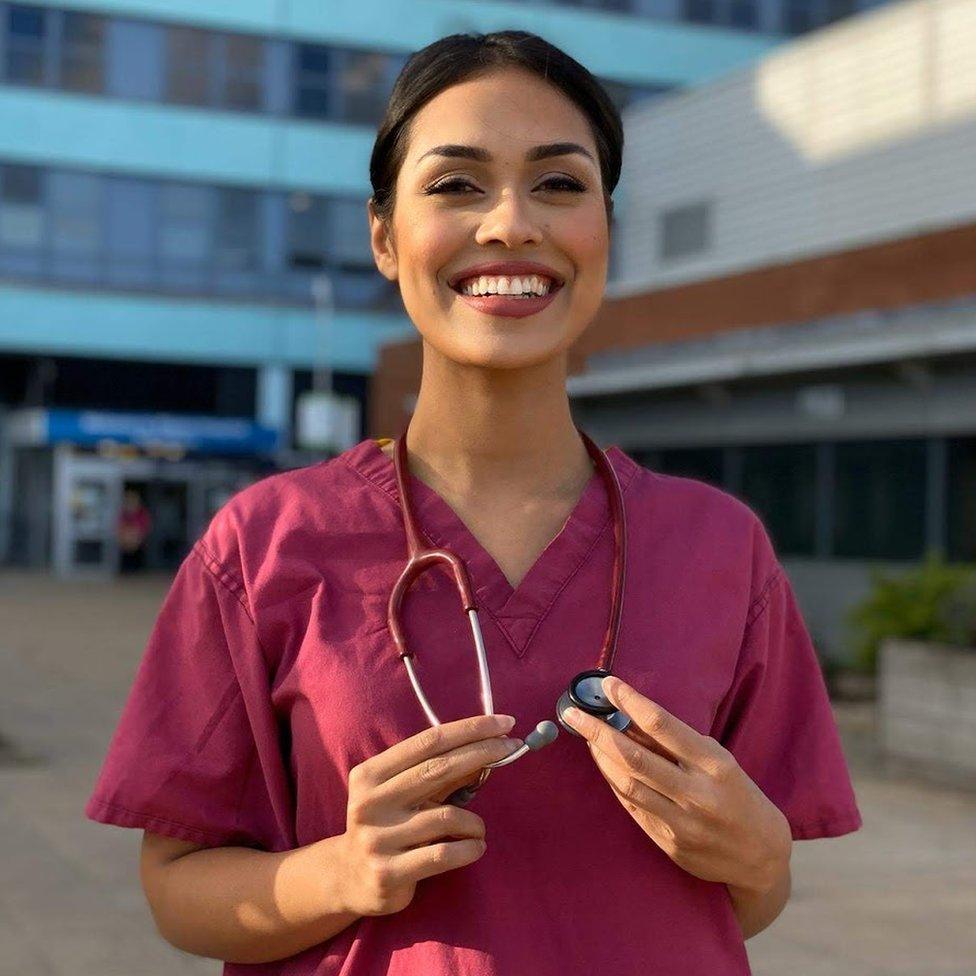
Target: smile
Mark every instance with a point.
(506, 295)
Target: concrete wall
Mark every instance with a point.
(861, 132)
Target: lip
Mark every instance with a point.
(508, 268)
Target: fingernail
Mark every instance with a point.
(610, 685)
(512, 744)
(507, 721)
(571, 715)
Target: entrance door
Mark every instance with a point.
(87, 499)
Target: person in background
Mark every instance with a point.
(135, 524)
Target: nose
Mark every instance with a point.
(511, 222)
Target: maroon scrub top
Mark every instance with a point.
(270, 672)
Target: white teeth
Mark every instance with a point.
(506, 285)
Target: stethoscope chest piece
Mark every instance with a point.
(585, 692)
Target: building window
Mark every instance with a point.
(307, 246)
(242, 81)
(130, 232)
(189, 61)
(961, 501)
(685, 230)
(701, 11)
(312, 81)
(83, 52)
(27, 32)
(743, 13)
(185, 235)
(364, 80)
(880, 499)
(779, 483)
(797, 17)
(238, 240)
(75, 203)
(700, 463)
(21, 208)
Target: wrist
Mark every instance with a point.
(770, 866)
(331, 865)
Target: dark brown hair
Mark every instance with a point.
(459, 57)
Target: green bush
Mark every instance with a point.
(934, 601)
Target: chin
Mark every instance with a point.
(504, 351)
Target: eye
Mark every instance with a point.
(448, 186)
(564, 183)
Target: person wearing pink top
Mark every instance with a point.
(289, 786)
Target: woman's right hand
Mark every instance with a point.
(397, 823)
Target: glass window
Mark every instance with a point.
(797, 17)
(307, 244)
(75, 204)
(685, 230)
(135, 58)
(700, 463)
(779, 484)
(27, 32)
(879, 505)
(83, 52)
(312, 81)
(21, 208)
(243, 74)
(238, 241)
(961, 501)
(189, 67)
(743, 13)
(186, 222)
(130, 232)
(700, 11)
(364, 80)
(348, 234)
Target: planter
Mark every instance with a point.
(927, 709)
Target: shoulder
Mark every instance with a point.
(719, 530)
(249, 533)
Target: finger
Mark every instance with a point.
(436, 824)
(431, 776)
(437, 739)
(683, 742)
(657, 772)
(634, 793)
(424, 862)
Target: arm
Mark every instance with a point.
(242, 905)
(757, 908)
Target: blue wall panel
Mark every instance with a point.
(126, 327)
(169, 141)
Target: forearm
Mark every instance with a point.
(247, 906)
(758, 908)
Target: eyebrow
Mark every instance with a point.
(456, 151)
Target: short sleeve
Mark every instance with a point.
(195, 754)
(777, 721)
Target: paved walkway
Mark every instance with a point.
(898, 898)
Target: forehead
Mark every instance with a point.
(506, 112)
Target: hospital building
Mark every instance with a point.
(184, 251)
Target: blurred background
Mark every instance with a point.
(188, 303)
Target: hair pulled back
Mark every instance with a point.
(459, 57)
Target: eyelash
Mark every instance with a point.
(569, 184)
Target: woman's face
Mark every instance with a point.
(454, 213)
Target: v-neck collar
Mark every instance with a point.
(519, 611)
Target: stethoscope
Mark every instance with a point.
(585, 691)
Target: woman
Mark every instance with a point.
(272, 748)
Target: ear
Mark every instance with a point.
(379, 238)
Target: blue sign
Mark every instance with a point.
(210, 435)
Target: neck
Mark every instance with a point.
(485, 432)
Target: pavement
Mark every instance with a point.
(897, 898)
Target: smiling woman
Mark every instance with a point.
(299, 816)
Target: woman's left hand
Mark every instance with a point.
(688, 794)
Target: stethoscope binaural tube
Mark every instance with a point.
(584, 690)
